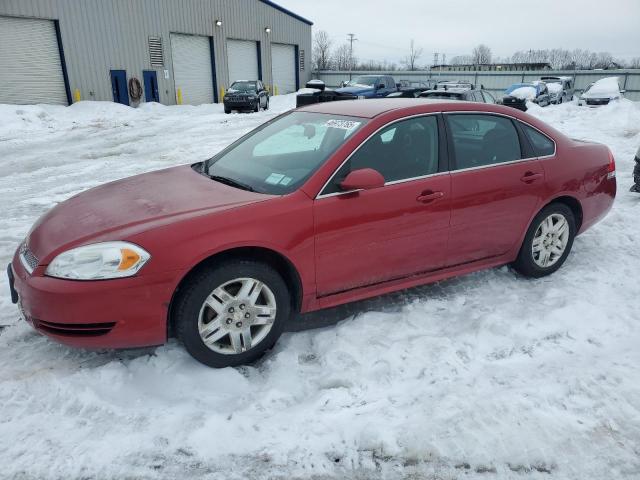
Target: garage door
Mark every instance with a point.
(283, 68)
(192, 69)
(30, 67)
(242, 60)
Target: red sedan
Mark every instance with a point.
(320, 206)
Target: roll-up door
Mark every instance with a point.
(242, 60)
(283, 68)
(30, 65)
(192, 69)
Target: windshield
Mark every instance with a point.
(363, 81)
(280, 155)
(243, 87)
(516, 86)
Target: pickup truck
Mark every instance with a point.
(369, 86)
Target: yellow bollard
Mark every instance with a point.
(222, 93)
(179, 96)
(275, 90)
(76, 95)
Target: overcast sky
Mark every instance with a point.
(384, 28)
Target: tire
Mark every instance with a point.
(530, 263)
(266, 105)
(196, 321)
(257, 107)
(227, 111)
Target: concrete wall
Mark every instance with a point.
(101, 35)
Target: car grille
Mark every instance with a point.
(73, 329)
(598, 101)
(29, 260)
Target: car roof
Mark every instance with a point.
(373, 107)
(450, 90)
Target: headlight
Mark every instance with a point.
(99, 261)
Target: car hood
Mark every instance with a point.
(120, 209)
(597, 94)
(355, 90)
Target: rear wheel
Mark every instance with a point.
(230, 315)
(548, 241)
(227, 111)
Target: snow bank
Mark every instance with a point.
(486, 376)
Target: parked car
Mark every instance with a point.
(518, 94)
(459, 93)
(636, 174)
(560, 88)
(601, 92)
(246, 95)
(315, 91)
(287, 219)
(411, 88)
(369, 86)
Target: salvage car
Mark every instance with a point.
(601, 92)
(518, 94)
(320, 206)
(636, 174)
(412, 88)
(459, 93)
(560, 89)
(246, 95)
(369, 86)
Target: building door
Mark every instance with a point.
(192, 69)
(119, 86)
(30, 62)
(283, 68)
(150, 79)
(242, 60)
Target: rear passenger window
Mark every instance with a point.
(488, 98)
(542, 145)
(481, 140)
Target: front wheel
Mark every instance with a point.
(548, 241)
(231, 314)
(266, 105)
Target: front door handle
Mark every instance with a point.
(530, 177)
(427, 197)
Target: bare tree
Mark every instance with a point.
(341, 59)
(322, 50)
(461, 60)
(414, 54)
(634, 62)
(481, 55)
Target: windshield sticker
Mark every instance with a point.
(274, 179)
(286, 181)
(349, 125)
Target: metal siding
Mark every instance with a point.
(30, 66)
(100, 35)
(192, 68)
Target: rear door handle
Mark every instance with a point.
(427, 197)
(530, 177)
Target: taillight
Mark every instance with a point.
(611, 169)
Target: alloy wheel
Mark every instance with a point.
(237, 316)
(550, 240)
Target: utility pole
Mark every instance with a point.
(435, 60)
(444, 59)
(352, 38)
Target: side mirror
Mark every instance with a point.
(362, 179)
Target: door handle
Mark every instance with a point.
(427, 197)
(530, 177)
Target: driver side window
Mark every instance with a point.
(403, 150)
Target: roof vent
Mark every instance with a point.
(155, 52)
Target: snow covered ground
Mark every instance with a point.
(486, 376)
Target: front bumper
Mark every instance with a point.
(120, 313)
(242, 104)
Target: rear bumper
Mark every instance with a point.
(120, 313)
